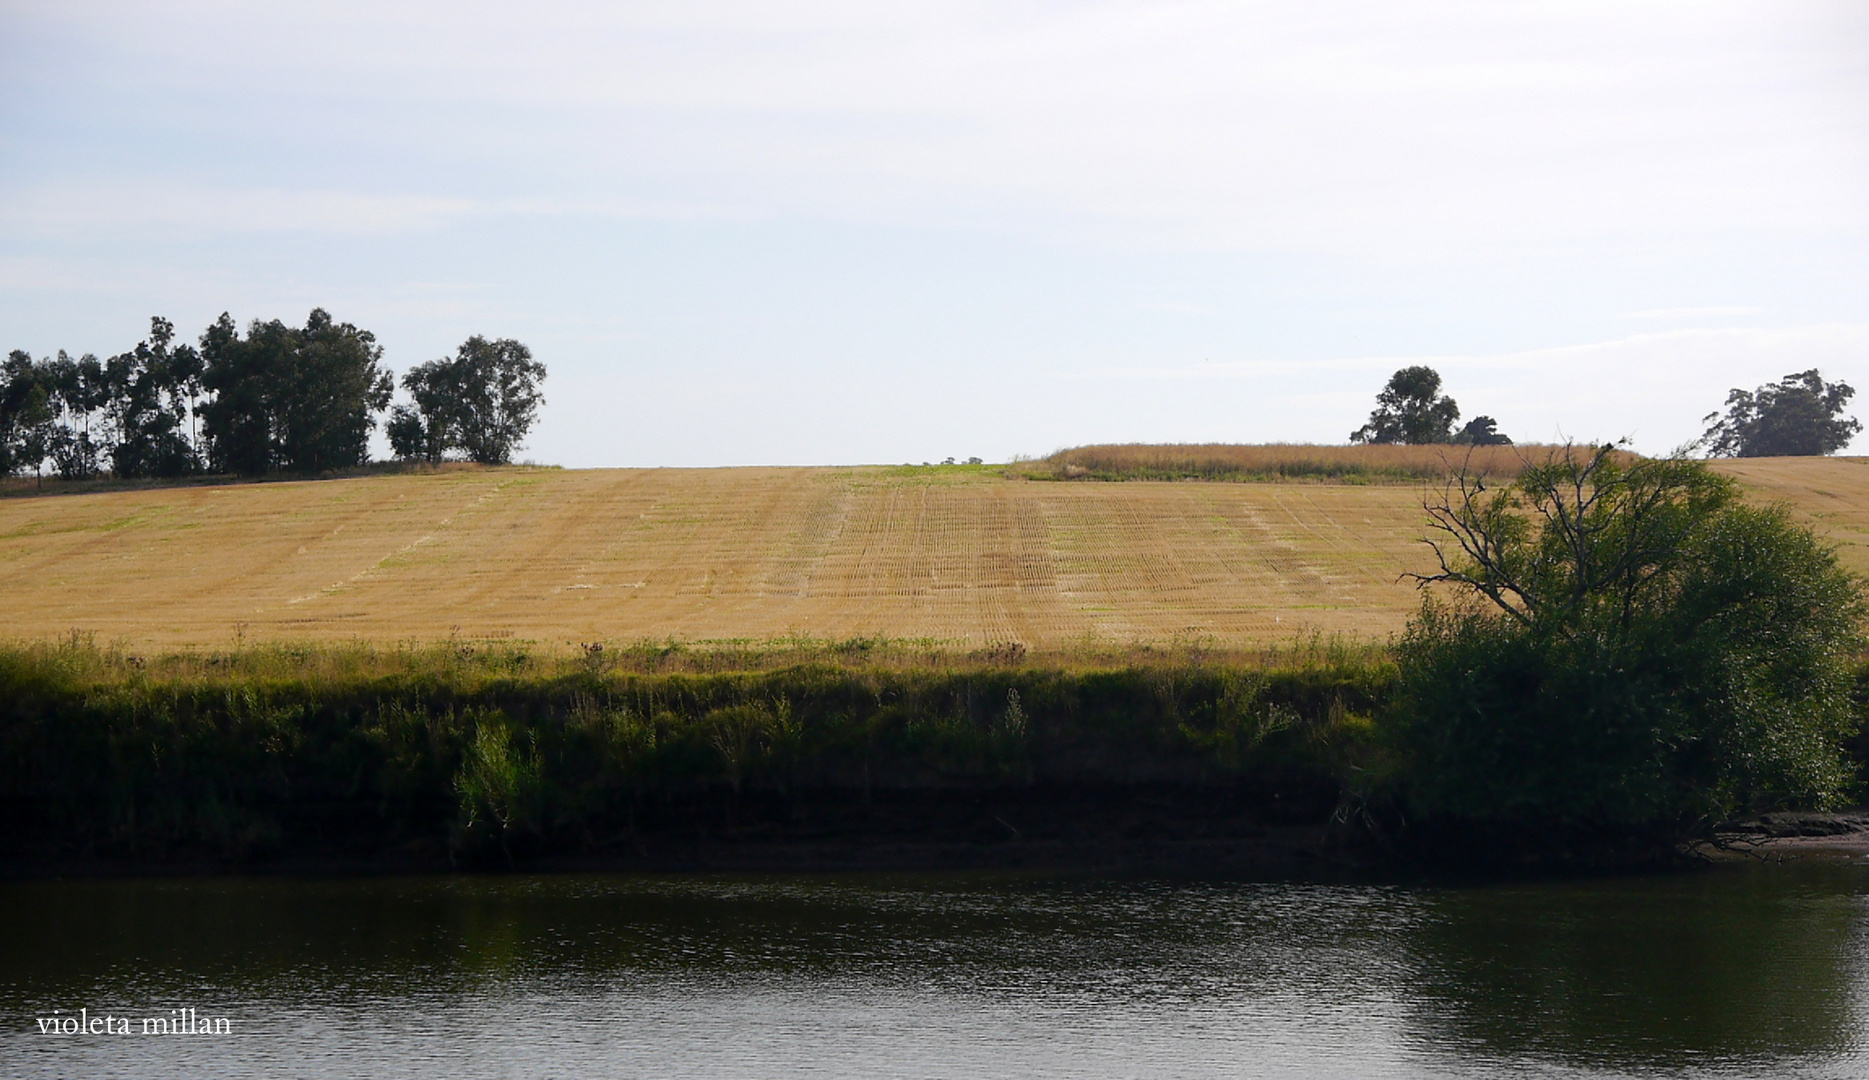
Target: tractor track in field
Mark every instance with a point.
(968, 557)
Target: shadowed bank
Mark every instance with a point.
(855, 754)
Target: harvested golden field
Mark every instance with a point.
(966, 556)
(1830, 493)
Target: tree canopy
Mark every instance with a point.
(1800, 415)
(150, 395)
(479, 402)
(290, 398)
(280, 398)
(1410, 409)
(1632, 649)
(1482, 431)
(26, 414)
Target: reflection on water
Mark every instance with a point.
(1744, 971)
(1730, 967)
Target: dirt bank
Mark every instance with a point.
(1792, 834)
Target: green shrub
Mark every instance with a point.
(1633, 652)
(499, 787)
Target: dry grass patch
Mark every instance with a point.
(1299, 462)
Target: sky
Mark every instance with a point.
(836, 233)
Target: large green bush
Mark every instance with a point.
(1631, 650)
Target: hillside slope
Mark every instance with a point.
(561, 557)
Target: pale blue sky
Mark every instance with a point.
(823, 232)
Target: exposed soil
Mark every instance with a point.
(1792, 834)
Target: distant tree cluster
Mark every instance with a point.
(1411, 409)
(131, 415)
(280, 398)
(479, 403)
(291, 399)
(1800, 415)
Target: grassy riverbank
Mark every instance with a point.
(663, 755)
(488, 755)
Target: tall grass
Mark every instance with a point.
(488, 753)
(81, 660)
(1299, 462)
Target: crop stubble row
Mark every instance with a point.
(619, 555)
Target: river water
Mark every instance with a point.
(1739, 971)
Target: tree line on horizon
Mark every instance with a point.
(280, 399)
(1801, 415)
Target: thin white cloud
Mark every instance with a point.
(1174, 307)
(1678, 313)
(104, 207)
(1283, 125)
(872, 204)
(89, 209)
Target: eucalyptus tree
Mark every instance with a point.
(481, 402)
(154, 391)
(1797, 416)
(27, 414)
(1410, 409)
(80, 394)
(294, 399)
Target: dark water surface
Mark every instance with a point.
(1746, 971)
